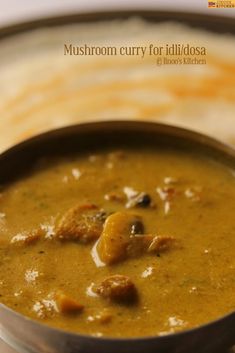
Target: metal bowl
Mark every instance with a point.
(27, 335)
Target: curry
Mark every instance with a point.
(122, 243)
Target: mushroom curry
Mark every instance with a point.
(123, 243)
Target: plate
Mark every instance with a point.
(42, 88)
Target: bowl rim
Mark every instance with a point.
(210, 22)
(131, 125)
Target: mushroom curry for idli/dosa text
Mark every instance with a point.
(122, 242)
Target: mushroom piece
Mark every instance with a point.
(81, 223)
(117, 288)
(161, 244)
(136, 198)
(118, 236)
(123, 236)
(140, 200)
(66, 304)
(27, 237)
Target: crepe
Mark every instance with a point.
(41, 88)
